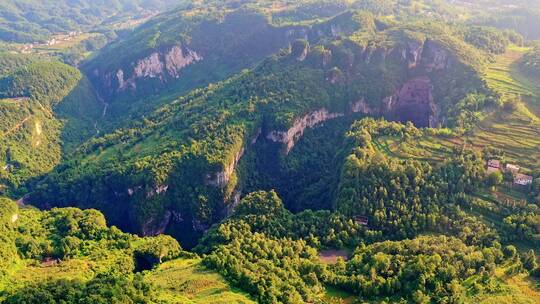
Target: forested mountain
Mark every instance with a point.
(47, 109)
(176, 158)
(272, 151)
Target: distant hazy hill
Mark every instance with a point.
(34, 20)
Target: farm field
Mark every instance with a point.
(517, 133)
(336, 296)
(63, 44)
(517, 289)
(332, 256)
(187, 281)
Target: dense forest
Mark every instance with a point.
(254, 151)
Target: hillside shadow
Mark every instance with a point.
(80, 111)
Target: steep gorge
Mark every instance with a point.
(278, 125)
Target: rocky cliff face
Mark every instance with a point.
(178, 58)
(361, 106)
(435, 57)
(221, 178)
(413, 102)
(289, 137)
(426, 56)
(161, 65)
(295, 132)
(226, 45)
(413, 53)
(156, 225)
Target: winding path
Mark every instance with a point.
(17, 126)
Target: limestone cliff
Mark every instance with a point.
(361, 106)
(290, 136)
(178, 58)
(221, 178)
(164, 65)
(426, 56)
(156, 225)
(413, 102)
(295, 132)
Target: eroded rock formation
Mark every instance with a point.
(427, 56)
(295, 132)
(149, 67)
(162, 65)
(361, 106)
(156, 225)
(221, 178)
(413, 102)
(177, 59)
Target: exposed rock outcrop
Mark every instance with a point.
(235, 200)
(125, 84)
(295, 132)
(177, 59)
(157, 190)
(413, 102)
(221, 178)
(434, 57)
(156, 226)
(300, 49)
(291, 136)
(162, 65)
(361, 106)
(132, 191)
(303, 55)
(255, 138)
(427, 55)
(149, 67)
(413, 53)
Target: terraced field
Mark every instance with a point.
(517, 132)
(504, 76)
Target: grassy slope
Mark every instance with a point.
(187, 281)
(179, 281)
(337, 296)
(36, 130)
(520, 289)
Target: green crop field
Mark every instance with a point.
(504, 77)
(187, 281)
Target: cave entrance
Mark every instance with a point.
(414, 102)
(143, 263)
